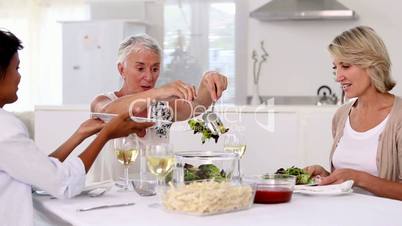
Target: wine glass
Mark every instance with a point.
(160, 161)
(126, 150)
(235, 142)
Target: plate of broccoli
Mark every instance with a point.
(302, 177)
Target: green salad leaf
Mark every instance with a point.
(302, 177)
(202, 172)
(198, 126)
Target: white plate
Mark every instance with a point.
(106, 117)
(332, 189)
(329, 192)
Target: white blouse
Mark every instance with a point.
(22, 166)
(358, 150)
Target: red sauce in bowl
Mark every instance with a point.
(273, 195)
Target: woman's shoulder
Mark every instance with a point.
(10, 124)
(101, 100)
(397, 108)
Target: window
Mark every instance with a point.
(199, 35)
(35, 23)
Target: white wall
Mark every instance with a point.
(299, 62)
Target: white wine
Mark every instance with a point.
(160, 165)
(238, 149)
(126, 157)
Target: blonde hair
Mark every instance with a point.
(362, 46)
(133, 42)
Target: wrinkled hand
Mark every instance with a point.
(339, 176)
(122, 126)
(316, 170)
(177, 89)
(90, 127)
(215, 83)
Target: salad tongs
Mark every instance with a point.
(213, 122)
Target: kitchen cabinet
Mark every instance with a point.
(90, 55)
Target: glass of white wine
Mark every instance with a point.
(126, 150)
(160, 161)
(235, 142)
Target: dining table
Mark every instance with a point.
(310, 210)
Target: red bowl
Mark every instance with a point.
(273, 188)
(273, 195)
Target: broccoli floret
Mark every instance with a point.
(302, 177)
(209, 171)
(205, 171)
(190, 175)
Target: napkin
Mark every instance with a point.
(107, 184)
(341, 188)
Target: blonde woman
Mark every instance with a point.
(368, 131)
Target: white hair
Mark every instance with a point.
(137, 41)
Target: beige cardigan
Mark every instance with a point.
(389, 152)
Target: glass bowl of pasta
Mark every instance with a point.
(208, 197)
(204, 165)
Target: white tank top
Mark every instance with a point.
(111, 95)
(358, 150)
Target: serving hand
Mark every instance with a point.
(215, 83)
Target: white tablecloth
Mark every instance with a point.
(352, 209)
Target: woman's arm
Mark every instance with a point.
(87, 129)
(173, 90)
(120, 126)
(210, 90)
(22, 161)
(373, 184)
(184, 100)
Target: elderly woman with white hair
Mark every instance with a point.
(139, 62)
(367, 132)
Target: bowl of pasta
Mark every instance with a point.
(208, 197)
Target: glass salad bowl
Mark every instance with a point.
(204, 165)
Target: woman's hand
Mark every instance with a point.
(122, 126)
(215, 84)
(90, 127)
(177, 89)
(341, 175)
(316, 170)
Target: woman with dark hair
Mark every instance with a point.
(22, 165)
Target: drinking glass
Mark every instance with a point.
(160, 161)
(126, 150)
(235, 142)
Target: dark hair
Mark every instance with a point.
(9, 45)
